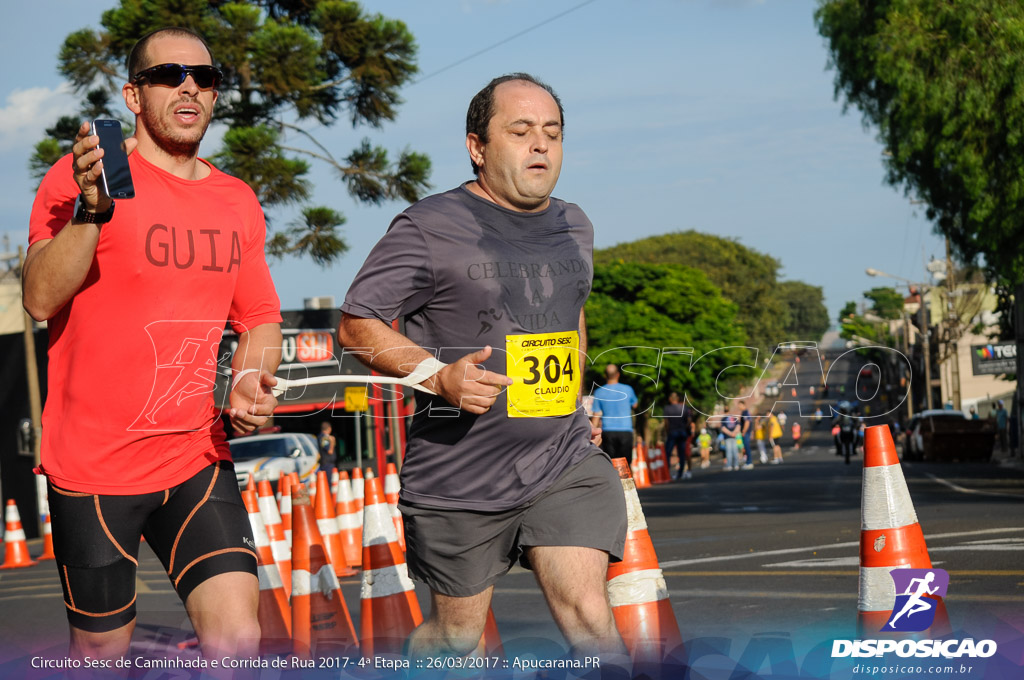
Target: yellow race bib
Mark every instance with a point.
(546, 371)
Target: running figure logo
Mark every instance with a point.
(915, 605)
(186, 368)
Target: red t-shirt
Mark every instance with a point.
(133, 355)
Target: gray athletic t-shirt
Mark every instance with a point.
(465, 272)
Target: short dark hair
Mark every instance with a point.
(481, 107)
(137, 57)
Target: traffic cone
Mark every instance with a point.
(357, 488)
(284, 483)
(15, 546)
(327, 523)
(350, 523)
(391, 485)
(273, 610)
(334, 481)
(641, 476)
(389, 609)
(890, 536)
(396, 517)
(279, 547)
(793, 391)
(369, 474)
(321, 625)
(637, 590)
(661, 473)
(47, 540)
(251, 486)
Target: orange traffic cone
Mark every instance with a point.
(641, 475)
(660, 474)
(357, 488)
(47, 541)
(273, 610)
(334, 481)
(350, 523)
(16, 548)
(637, 590)
(389, 610)
(327, 523)
(321, 625)
(396, 517)
(793, 391)
(279, 547)
(890, 537)
(391, 485)
(251, 486)
(369, 474)
(284, 484)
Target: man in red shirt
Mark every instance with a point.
(137, 300)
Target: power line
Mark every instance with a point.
(502, 42)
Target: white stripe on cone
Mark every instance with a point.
(386, 581)
(877, 592)
(327, 527)
(634, 513)
(638, 587)
(270, 579)
(378, 527)
(324, 582)
(13, 535)
(885, 499)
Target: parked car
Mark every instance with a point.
(772, 389)
(267, 456)
(945, 435)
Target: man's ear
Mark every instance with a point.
(476, 148)
(130, 93)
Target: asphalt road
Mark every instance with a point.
(768, 551)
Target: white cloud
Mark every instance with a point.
(27, 113)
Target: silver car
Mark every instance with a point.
(268, 456)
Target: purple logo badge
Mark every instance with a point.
(914, 609)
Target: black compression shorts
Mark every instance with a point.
(198, 529)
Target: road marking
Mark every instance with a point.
(827, 546)
(960, 489)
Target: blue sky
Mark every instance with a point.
(715, 115)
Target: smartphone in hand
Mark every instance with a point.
(116, 175)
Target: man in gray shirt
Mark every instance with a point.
(491, 278)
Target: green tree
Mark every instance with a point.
(744, 276)
(940, 82)
(637, 310)
(807, 316)
(289, 66)
(848, 310)
(885, 302)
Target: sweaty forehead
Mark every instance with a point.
(519, 100)
(175, 49)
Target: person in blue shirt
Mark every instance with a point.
(614, 403)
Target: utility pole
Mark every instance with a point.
(953, 326)
(35, 401)
(922, 315)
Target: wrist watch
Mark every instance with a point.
(83, 215)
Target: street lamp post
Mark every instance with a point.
(923, 321)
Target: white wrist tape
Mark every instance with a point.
(240, 375)
(425, 370)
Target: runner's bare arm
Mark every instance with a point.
(461, 383)
(56, 268)
(258, 356)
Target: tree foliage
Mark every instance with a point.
(289, 66)
(941, 83)
(635, 311)
(745, 276)
(885, 302)
(807, 316)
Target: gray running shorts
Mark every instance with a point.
(462, 552)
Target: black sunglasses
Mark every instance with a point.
(173, 75)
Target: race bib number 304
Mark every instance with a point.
(546, 371)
